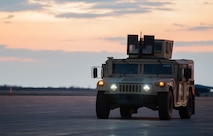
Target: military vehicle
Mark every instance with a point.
(148, 77)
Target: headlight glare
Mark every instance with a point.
(146, 88)
(113, 87)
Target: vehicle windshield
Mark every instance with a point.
(164, 69)
(125, 69)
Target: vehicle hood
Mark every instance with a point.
(137, 80)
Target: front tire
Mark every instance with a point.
(102, 106)
(186, 112)
(165, 105)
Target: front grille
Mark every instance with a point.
(130, 88)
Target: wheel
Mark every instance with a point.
(102, 106)
(165, 105)
(186, 112)
(126, 112)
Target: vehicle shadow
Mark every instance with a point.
(145, 118)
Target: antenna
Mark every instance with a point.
(140, 38)
(140, 34)
(140, 43)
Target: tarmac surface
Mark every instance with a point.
(75, 115)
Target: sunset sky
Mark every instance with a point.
(56, 42)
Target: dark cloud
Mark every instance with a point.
(116, 12)
(179, 25)
(7, 22)
(17, 5)
(81, 15)
(208, 2)
(89, 1)
(116, 8)
(201, 28)
(9, 16)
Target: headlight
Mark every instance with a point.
(146, 88)
(113, 87)
(100, 83)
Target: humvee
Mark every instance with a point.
(149, 78)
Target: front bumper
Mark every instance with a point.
(132, 100)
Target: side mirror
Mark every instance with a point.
(187, 73)
(94, 72)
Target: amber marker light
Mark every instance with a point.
(100, 83)
(161, 84)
